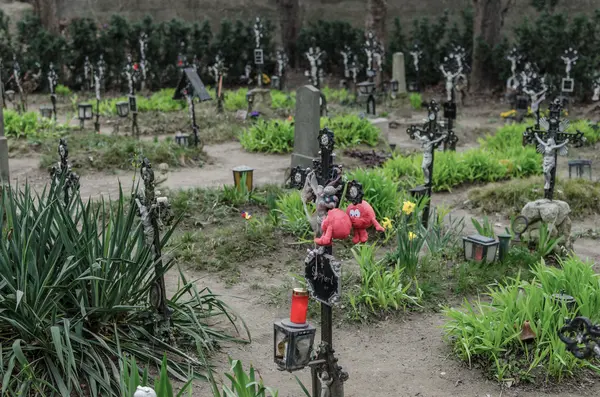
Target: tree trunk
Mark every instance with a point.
(46, 11)
(289, 22)
(489, 18)
(376, 14)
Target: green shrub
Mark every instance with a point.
(273, 136)
(488, 333)
(591, 132)
(75, 285)
(380, 191)
(234, 100)
(31, 126)
(416, 101)
(62, 90)
(352, 130)
(382, 289)
(161, 101)
(292, 215)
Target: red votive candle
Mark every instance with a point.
(299, 306)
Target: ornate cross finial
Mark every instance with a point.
(63, 170)
(315, 58)
(52, 78)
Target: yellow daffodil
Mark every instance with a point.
(386, 223)
(408, 207)
(510, 113)
(266, 79)
(411, 236)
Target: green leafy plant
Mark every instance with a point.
(62, 90)
(380, 191)
(484, 228)
(274, 136)
(30, 126)
(381, 289)
(292, 217)
(245, 384)
(352, 130)
(487, 332)
(416, 100)
(75, 282)
(546, 244)
(443, 235)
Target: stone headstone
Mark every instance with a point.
(398, 72)
(262, 101)
(306, 126)
(554, 213)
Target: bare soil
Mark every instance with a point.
(400, 356)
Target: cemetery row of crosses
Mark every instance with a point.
(338, 205)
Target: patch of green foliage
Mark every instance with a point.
(416, 100)
(62, 90)
(500, 157)
(161, 101)
(277, 136)
(76, 278)
(100, 152)
(488, 332)
(31, 125)
(581, 194)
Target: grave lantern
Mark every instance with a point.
(366, 88)
(563, 299)
(241, 172)
(84, 111)
(122, 108)
(294, 337)
(581, 167)
(46, 112)
(480, 248)
(181, 139)
(10, 95)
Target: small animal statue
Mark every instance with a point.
(362, 217)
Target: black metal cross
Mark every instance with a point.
(552, 139)
(153, 212)
(62, 173)
(132, 72)
(218, 70)
(431, 137)
(52, 82)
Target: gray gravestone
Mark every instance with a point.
(398, 72)
(306, 126)
(4, 174)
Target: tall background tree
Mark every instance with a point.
(487, 24)
(289, 23)
(46, 11)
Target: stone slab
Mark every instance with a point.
(306, 126)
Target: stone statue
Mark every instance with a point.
(427, 146)
(314, 58)
(416, 54)
(450, 76)
(548, 149)
(258, 27)
(514, 57)
(570, 59)
(282, 62)
(326, 382)
(346, 56)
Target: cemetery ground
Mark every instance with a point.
(252, 263)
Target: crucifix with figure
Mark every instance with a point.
(551, 140)
(430, 137)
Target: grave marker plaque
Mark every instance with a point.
(323, 276)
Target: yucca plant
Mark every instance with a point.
(74, 283)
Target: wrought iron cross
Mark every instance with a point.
(154, 212)
(62, 172)
(143, 47)
(218, 69)
(551, 140)
(282, 62)
(515, 59)
(87, 72)
(570, 58)
(258, 32)
(52, 82)
(535, 86)
(374, 51)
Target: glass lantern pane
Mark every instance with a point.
(491, 253)
(478, 252)
(302, 350)
(281, 346)
(81, 112)
(468, 250)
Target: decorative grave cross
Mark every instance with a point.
(88, 73)
(143, 62)
(154, 212)
(259, 60)
(570, 58)
(62, 173)
(191, 87)
(17, 78)
(282, 63)
(534, 85)
(52, 83)
(430, 137)
(416, 55)
(323, 185)
(132, 72)
(351, 67)
(218, 70)
(451, 68)
(374, 51)
(551, 140)
(97, 85)
(515, 59)
(101, 65)
(315, 58)
(581, 337)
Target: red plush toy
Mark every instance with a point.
(336, 225)
(362, 217)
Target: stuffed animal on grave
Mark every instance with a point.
(336, 225)
(362, 217)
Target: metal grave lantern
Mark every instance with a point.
(133, 104)
(122, 108)
(275, 83)
(480, 248)
(181, 139)
(242, 173)
(504, 246)
(582, 168)
(367, 88)
(46, 111)
(294, 337)
(84, 112)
